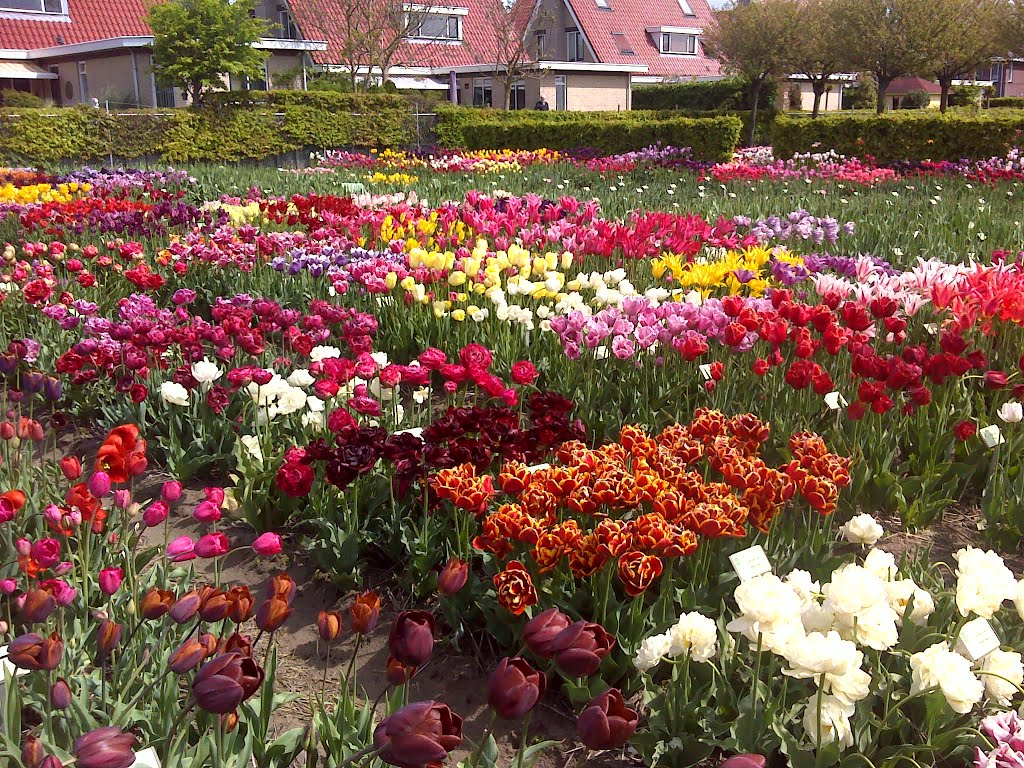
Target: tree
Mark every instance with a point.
(511, 50)
(754, 40)
(892, 38)
(976, 33)
(197, 42)
(816, 52)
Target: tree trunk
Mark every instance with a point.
(883, 86)
(944, 86)
(818, 86)
(755, 95)
(197, 87)
(508, 95)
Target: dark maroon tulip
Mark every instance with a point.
(225, 682)
(744, 761)
(412, 637)
(31, 751)
(108, 637)
(60, 694)
(32, 652)
(607, 722)
(51, 762)
(398, 673)
(542, 629)
(579, 648)
(187, 656)
(453, 577)
(108, 747)
(235, 643)
(38, 605)
(515, 688)
(185, 607)
(419, 734)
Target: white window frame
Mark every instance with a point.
(486, 85)
(665, 43)
(39, 10)
(417, 35)
(575, 48)
(604, 5)
(686, 8)
(541, 41)
(561, 89)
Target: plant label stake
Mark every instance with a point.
(750, 563)
(7, 669)
(705, 371)
(147, 758)
(976, 640)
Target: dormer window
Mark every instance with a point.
(675, 41)
(573, 45)
(56, 7)
(684, 5)
(434, 23)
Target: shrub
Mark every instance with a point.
(710, 138)
(965, 95)
(1014, 102)
(732, 93)
(863, 95)
(12, 98)
(916, 99)
(896, 136)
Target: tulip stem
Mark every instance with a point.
(522, 740)
(370, 751)
(479, 751)
(352, 665)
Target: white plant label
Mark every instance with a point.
(977, 640)
(146, 759)
(538, 467)
(705, 371)
(750, 563)
(414, 431)
(7, 669)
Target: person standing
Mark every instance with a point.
(542, 104)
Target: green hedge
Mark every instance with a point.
(729, 94)
(1015, 102)
(228, 128)
(924, 135)
(710, 138)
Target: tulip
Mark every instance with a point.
(225, 682)
(994, 379)
(51, 762)
(579, 648)
(63, 568)
(155, 514)
(542, 629)
(453, 577)
(421, 733)
(216, 605)
(46, 552)
(110, 580)
(607, 722)
(187, 656)
(328, 624)
(273, 613)
(281, 585)
(71, 467)
(241, 604)
(171, 491)
(181, 549)
(122, 498)
(23, 547)
(156, 603)
(38, 605)
(31, 751)
(108, 747)
(267, 545)
(365, 612)
(412, 637)
(398, 673)
(207, 512)
(515, 688)
(34, 653)
(744, 761)
(60, 694)
(8, 586)
(212, 545)
(99, 484)
(108, 637)
(185, 607)
(236, 643)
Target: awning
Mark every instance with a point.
(23, 70)
(411, 83)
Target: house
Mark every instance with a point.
(99, 51)
(1005, 76)
(901, 86)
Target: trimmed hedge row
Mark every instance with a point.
(730, 94)
(896, 136)
(1015, 102)
(218, 132)
(710, 138)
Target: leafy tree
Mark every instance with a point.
(197, 42)
(816, 52)
(892, 38)
(754, 40)
(976, 33)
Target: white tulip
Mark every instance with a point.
(173, 393)
(1011, 412)
(862, 529)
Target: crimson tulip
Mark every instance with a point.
(607, 722)
(515, 688)
(453, 577)
(412, 637)
(579, 648)
(418, 734)
(108, 747)
(60, 694)
(225, 682)
(542, 629)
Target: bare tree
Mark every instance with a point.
(817, 47)
(513, 54)
(754, 40)
(892, 38)
(976, 33)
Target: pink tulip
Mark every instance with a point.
(63, 568)
(122, 498)
(23, 547)
(155, 514)
(171, 491)
(215, 495)
(8, 586)
(53, 514)
(267, 545)
(744, 761)
(63, 593)
(181, 549)
(212, 545)
(110, 580)
(46, 552)
(99, 484)
(207, 512)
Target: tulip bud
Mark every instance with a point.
(99, 484)
(110, 580)
(187, 656)
(207, 512)
(365, 612)
(155, 514)
(267, 545)
(8, 586)
(6, 430)
(453, 577)
(412, 638)
(60, 694)
(71, 467)
(51, 762)
(515, 688)
(31, 751)
(108, 638)
(105, 747)
(398, 673)
(122, 498)
(328, 624)
(606, 723)
(63, 568)
(171, 491)
(185, 607)
(156, 603)
(23, 547)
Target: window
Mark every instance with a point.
(603, 5)
(437, 26)
(34, 6)
(573, 45)
(164, 97)
(83, 83)
(623, 44)
(542, 43)
(685, 6)
(284, 20)
(1009, 71)
(517, 98)
(482, 92)
(561, 93)
(674, 42)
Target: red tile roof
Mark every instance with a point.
(318, 20)
(632, 18)
(90, 20)
(902, 85)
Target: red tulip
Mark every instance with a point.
(108, 747)
(71, 467)
(453, 577)
(225, 682)
(607, 722)
(579, 648)
(515, 688)
(542, 629)
(419, 734)
(412, 637)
